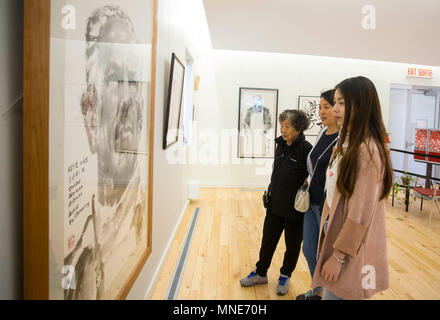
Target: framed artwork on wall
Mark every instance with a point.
(89, 75)
(310, 105)
(174, 102)
(257, 124)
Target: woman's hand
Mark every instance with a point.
(331, 269)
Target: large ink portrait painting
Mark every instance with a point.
(100, 80)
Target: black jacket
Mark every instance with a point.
(288, 175)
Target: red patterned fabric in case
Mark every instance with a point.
(434, 145)
(421, 139)
(434, 141)
(420, 143)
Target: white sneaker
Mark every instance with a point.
(283, 285)
(252, 279)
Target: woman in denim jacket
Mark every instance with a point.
(322, 150)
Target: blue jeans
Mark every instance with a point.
(330, 296)
(312, 221)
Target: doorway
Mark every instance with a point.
(412, 107)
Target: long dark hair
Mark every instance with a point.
(363, 113)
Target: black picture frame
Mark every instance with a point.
(174, 102)
(310, 105)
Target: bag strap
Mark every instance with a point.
(319, 158)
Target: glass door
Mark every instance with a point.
(410, 109)
(422, 114)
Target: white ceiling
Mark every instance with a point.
(407, 31)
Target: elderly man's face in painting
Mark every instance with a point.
(120, 94)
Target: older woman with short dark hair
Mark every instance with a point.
(289, 173)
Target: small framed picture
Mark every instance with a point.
(310, 105)
(174, 106)
(258, 109)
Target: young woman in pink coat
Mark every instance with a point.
(352, 249)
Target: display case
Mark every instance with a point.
(427, 142)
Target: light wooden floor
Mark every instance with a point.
(227, 239)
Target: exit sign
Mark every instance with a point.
(419, 73)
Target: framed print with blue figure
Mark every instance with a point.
(257, 124)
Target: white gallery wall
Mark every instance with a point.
(182, 28)
(213, 160)
(11, 174)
